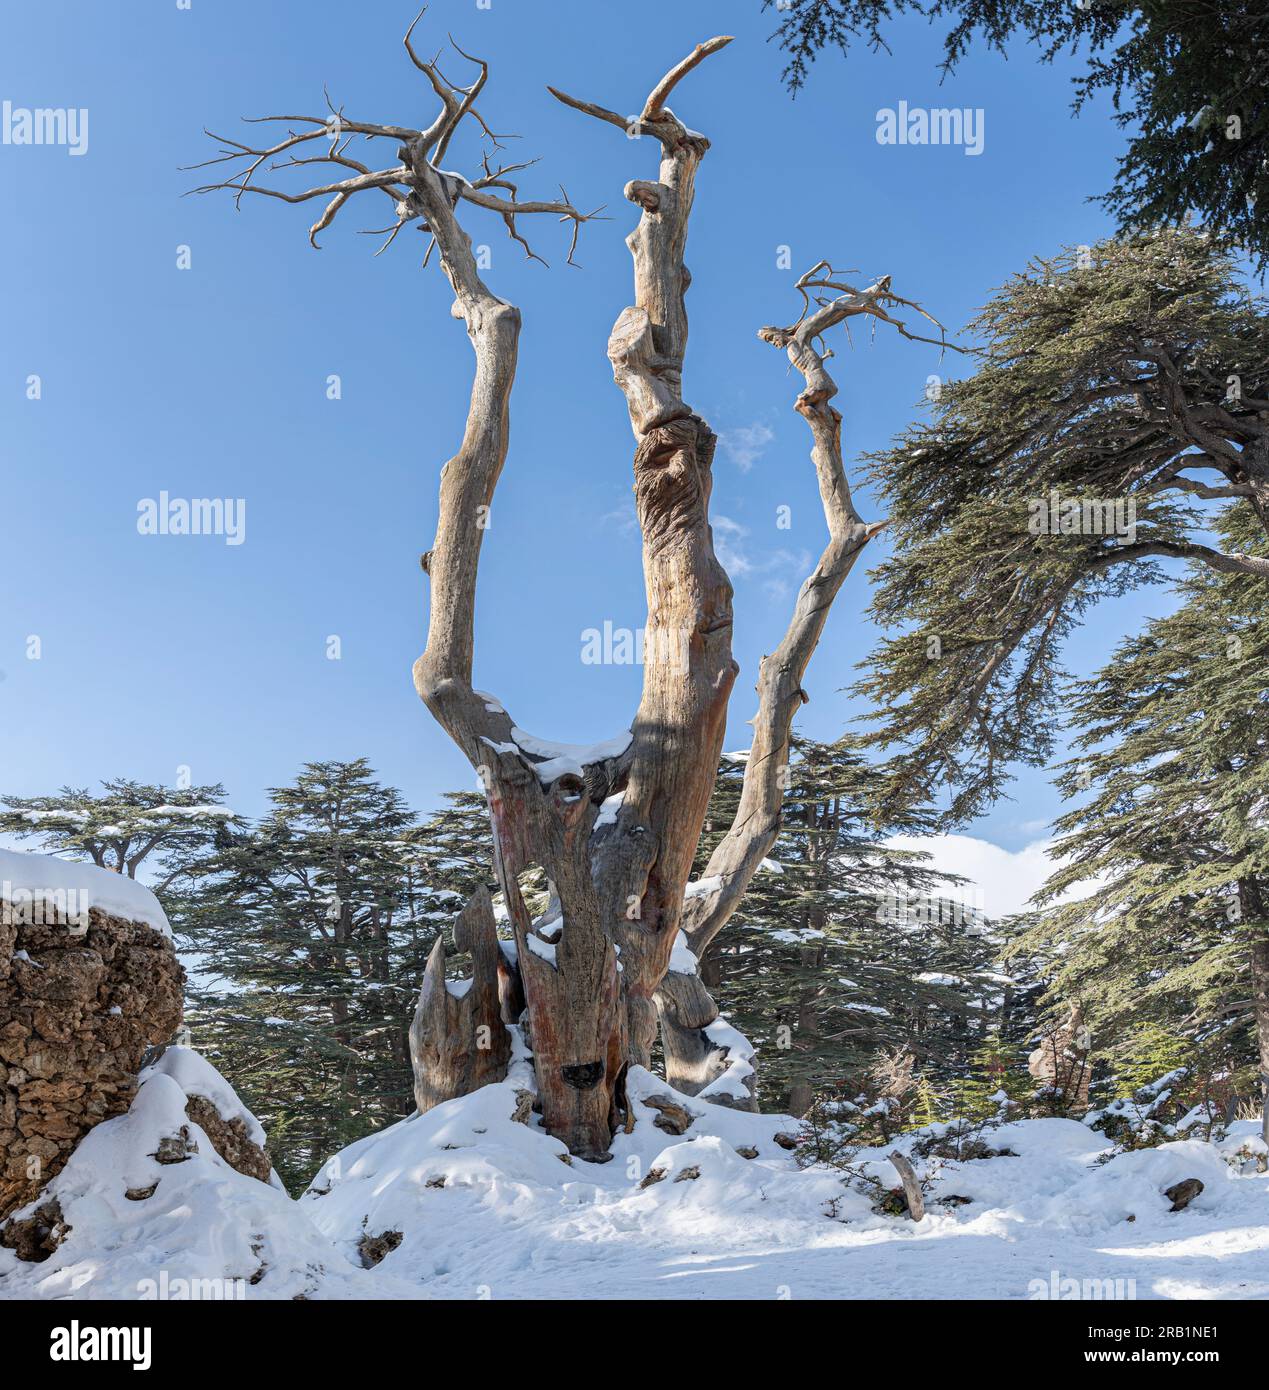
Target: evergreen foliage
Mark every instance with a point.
(125, 825)
(310, 932)
(1116, 391)
(845, 949)
(1172, 782)
(1188, 80)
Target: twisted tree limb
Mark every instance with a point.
(693, 1059)
(643, 859)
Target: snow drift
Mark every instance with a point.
(474, 1200)
(478, 1203)
(148, 1209)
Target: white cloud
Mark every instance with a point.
(780, 570)
(744, 445)
(729, 546)
(623, 517)
(1000, 880)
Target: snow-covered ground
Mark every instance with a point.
(512, 1221)
(486, 1207)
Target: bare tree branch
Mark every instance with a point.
(655, 104)
(756, 824)
(601, 113)
(401, 182)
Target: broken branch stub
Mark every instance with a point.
(459, 1040)
(911, 1187)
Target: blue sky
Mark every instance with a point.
(159, 652)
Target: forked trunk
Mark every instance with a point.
(568, 965)
(616, 891)
(592, 965)
(584, 975)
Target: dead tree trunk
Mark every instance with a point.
(459, 1040)
(643, 858)
(588, 968)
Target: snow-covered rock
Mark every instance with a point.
(43, 885)
(148, 1209)
(88, 981)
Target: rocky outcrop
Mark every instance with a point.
(230, 1138)
(1181, 1194)
(34, 1238)
(81, 999)
(373, 1249)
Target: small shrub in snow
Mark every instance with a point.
(1157, 1113)
(829, 1140)
(1251, 1156)
(960, 1141)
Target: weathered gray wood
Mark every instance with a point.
(459, 1043)
(911, 1187)
(571, 985)
(780, 695)
(685, 1009)
(623, 887)
(756, 824)
(642, 862)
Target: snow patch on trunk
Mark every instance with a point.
(563, 758)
